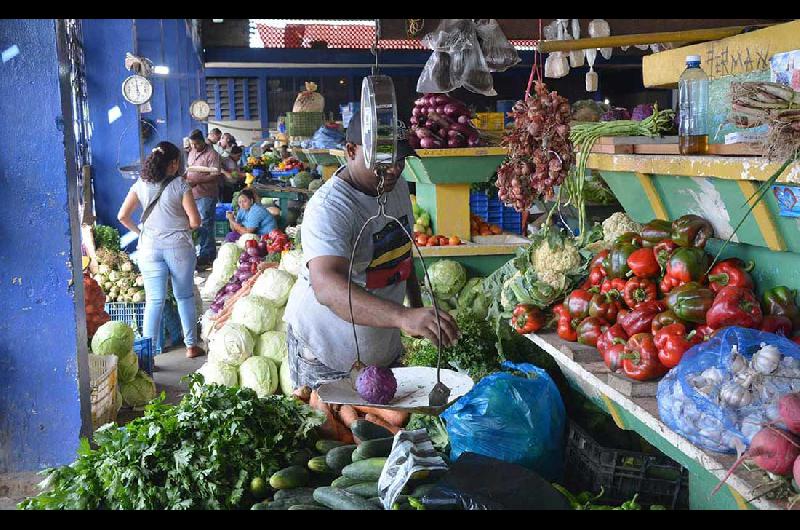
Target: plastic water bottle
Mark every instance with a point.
(693, 108)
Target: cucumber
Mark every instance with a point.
(343, 482)
(318, 465)
(373, 448)
(338, 457)
(290, 477)
(323, 446)
(366, 430)
(337, 499)
(301, 458)
(422, 490)
(368, 470)
(259, 506)
(307, 507)
(321, 479)
(296, 496)
(376, 501)
(364, 489)
(277, 505)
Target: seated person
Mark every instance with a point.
(252, 217)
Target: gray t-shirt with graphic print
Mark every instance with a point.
(383, 262)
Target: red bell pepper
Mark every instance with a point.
(668, 283)
(640, 319)
(577, 303)
(614, 354)
(777, 324)
(527, 319)
(705, 331)
(616, 284)
(730, 273)
(643, 263)
(565, 330)
(688, 265)
(640, 361)
(638, 290)
(251, 243)
(559, 310)
(590, 329)
(663, 250)
(691, 231)
(664, 319)
(655, 232)
(691, 301)
(608, 337)
(604, 306)
(629, 238)
(596, 276)
(672, 342)
(598, 260)
(734, 306)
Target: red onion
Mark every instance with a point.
(252, 251)
(414, 141)
(474, 140)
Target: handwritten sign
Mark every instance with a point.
(722, 60)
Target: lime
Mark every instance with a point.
(259, 488)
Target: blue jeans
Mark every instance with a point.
(157, 266)
(207, 246)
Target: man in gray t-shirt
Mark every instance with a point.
(319, 330)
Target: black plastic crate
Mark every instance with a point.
(621, 474)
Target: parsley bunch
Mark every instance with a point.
(199, 454)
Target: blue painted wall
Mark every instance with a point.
(43, 354)
(165, 42)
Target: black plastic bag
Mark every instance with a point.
(477, 482)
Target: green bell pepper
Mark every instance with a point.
(655, 231)
(780, 301)
(616, 264)
(691, 231)
(691, 302)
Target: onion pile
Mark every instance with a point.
(540, 152)
(254, 253)
(439, 121)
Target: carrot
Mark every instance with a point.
(397, 418)
(385, 424)
(348, 414)
(332, 429)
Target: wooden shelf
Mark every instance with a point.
(582, 366)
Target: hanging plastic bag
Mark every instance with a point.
(723, 390)
(515, 419)
(477, 482)
(327, 138)
(499, 53)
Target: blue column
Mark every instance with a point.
(43, 351)
(149, 45)
(115, 139)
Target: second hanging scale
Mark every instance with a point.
(420, 389)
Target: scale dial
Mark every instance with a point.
(200, 110)
(137, 89)
(379, 122)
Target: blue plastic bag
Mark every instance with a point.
(327, 138)
(511, 418)
(691, 400)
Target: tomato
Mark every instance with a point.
(422, 240)
(443, 241)
(455, 240)
(432, 242)
(496, 230)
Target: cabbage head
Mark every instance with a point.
(138, 392)
(272, 345)
(292, 262)
(113, 338)
(448, 277)
(219, 374)
(472, 299)
(242, 241)
(256, 313)
(231, 344)
(127, 367)
(286, 380)
(259, 374)
(274, 285)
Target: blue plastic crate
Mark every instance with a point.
(144, 350)
(222, 209)
(134, 314)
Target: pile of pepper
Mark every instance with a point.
(651, 297)
(277, 241)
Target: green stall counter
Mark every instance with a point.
(479, 260)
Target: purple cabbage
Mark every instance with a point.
(232, 237)
(616, 113)
(642, 111)
(376, 385)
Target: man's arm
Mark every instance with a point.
(201, 178)
(329, 280)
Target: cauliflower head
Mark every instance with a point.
(618, 224)
(559, 259)
(556, 280)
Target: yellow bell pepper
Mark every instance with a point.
(249, 179)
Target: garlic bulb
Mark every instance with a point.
(767, 359)
(738, 362)
(713, 375)
(735, 395)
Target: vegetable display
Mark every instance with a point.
(200, 454)
(439, 121)
(118, 277)
(95, 300)
(540, 150)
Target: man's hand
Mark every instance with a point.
(421, 322)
